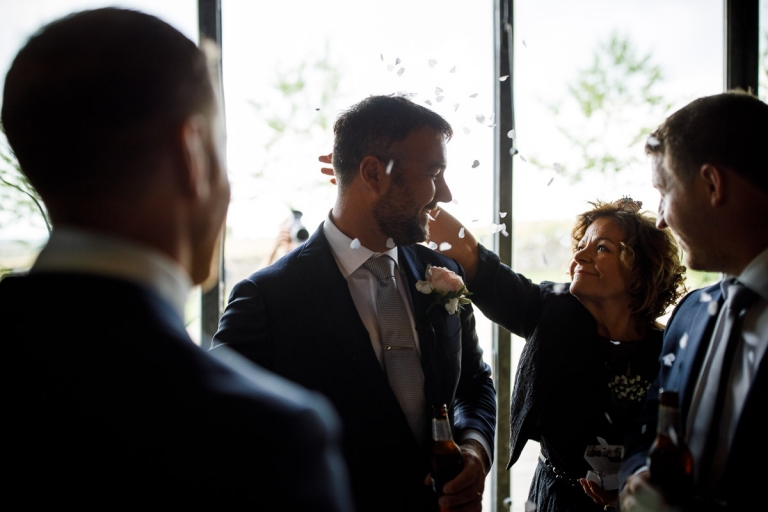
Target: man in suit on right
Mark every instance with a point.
(710, 165)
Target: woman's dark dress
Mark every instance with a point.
(562, 397)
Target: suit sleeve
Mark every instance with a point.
(475, 403)
(245, 325)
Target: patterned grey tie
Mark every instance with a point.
(401, 359)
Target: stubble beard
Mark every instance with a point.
(393, 220)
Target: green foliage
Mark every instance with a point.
(17, 196)
(610, 100)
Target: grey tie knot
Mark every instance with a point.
(382, 267)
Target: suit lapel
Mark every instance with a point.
(338, 317)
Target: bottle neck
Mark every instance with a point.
(669, 422)
(441, 429)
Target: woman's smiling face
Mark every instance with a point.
(597, 271)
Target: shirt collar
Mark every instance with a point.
(754, 276)
(350, 259)
(76, 250)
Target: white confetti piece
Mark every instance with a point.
(317, 110)
(473, 95)
(480, 118)
(544, 259)
(524, 43)
(382, 57)
(684, 340)
(432, 63)
(513, 151)
(455, 201)
(390, 243)
(643, 428)
(432, 245)
(439, 99)
(461, 233)
(497, 228)
(467, 130)
(712, 308)
(390, 165)
(652, 141)
(705, 297)
(559, 288)
(523, 158)
(455, 107)
(530, 506)
(438, 91)
(445, 246)
(437, 213)
(475, 164)
(615, 342)
(397, 61)
(502, 214)
(669, 359)
(491, 125)
(751, 357)
(492, 117)
(430, 217)
(354, 244)
(550, 181)
(608, 417)
(511, 134)
(503, 78)
(427, 102)
(400, 71)
(557, 166)
(453, 69)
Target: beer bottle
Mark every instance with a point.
(445, 459)
(670, 462)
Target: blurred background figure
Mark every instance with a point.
(292, 234)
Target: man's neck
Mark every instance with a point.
(358, 223)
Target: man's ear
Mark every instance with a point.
(373, 174)
(193, 135)
(715, 180)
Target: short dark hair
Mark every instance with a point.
(94, 93)
(729, 129)
(374, 127)
(657, 277)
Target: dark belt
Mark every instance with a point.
(560, 474)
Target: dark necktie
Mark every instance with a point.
(401, 359)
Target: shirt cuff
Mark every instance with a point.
(480, 438)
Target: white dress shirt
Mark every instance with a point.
(77, 250)
(749, 352)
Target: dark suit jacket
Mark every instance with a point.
(109, 404)
(686, 339)
(297, 318)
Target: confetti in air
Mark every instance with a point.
(550, 181)
(439, 99)
(467, 130)
(491, 125)
(432, 245)
(513, 151)
(608, 417)
(669, 359)
(559, 288)
(705, 297)
(480, 118)
(438, 91)
(397, 61)
(502, 214)
(652, 141)
(437, 213)
(503, 78)
(643, 428)
(492, 117)
(712, 308)
(524, 43)
(684, 340)
(454, 201)
(557, 167)
(523, 158)
(461, 233)
(530, 506)
(432, 63)
(430, 217)
(400, 71)
(544, 259)
(455, 107)
(475, 164)
(473, 95)
(390, 243)
(390, 165)
(317, 110)
(354, 244)
(751, 357)
(445, 246)
(427, 102)
(453, 69)
(382, 57)
(511, 134)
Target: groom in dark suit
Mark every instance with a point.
(319, 315)
(710, 165)
(107, 402)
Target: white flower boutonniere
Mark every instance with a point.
(447, 287)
